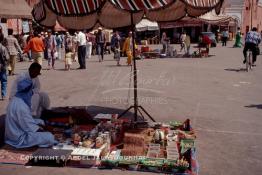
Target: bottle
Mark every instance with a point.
(108, 141)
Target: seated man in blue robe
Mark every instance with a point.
(40, 100)
(22, 130)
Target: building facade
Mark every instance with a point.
(247, 12)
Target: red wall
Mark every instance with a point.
(256, 16)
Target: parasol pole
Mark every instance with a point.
(135, 69)
(136, 107)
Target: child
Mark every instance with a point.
(117, 53)
(68, 58)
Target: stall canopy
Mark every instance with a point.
(86, 14)
(15, 9)
(208, 18)
(146, 25)
(213, 18)
(185, 22)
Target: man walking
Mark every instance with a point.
(81, 45)
(182, 40)
(13, 49)
(100, 41)
(225, 37)
(59, 45)
(88, 45)
(50, 45)
(4, 57)
(36, 45)
(187, 45)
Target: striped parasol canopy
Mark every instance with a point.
(85, 14)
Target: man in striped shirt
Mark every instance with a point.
(252, 41)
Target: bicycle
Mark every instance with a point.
(249, 60)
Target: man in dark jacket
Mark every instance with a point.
(100, 41)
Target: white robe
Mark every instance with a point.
(21, 128)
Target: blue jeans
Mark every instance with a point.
(100, 50)
(3, 79)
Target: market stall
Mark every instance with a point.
(222, 22)
(147, 32)
(105, 142)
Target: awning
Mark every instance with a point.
(213, 18)
(208, 18)
(13, 9)
(185, 22)
(86, 14)
(146, 25)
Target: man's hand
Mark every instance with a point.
(41, 129)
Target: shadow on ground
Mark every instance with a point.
(259, 106)
(87, 111)
(122, 65)
(94, 110)
(236, 70)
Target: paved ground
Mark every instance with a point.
(223, 102)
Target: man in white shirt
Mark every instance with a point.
(81, 45)
(40, 100)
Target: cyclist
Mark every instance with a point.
(252, 41)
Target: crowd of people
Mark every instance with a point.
(77, 46)
(72, 46)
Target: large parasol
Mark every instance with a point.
(86, 14)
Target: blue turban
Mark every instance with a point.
(25, 91)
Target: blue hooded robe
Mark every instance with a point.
(20, 127)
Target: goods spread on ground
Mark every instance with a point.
(109, 142)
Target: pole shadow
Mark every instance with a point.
(259, 106)
(116, 66)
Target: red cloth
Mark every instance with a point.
(206, 40)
